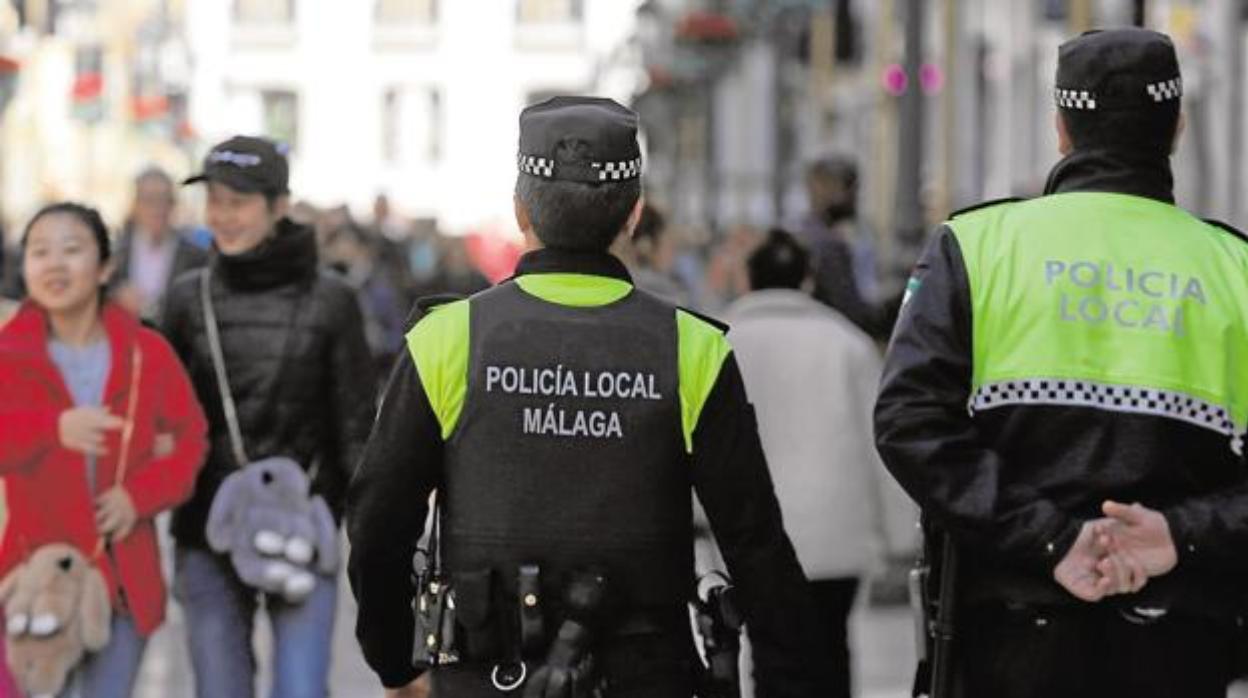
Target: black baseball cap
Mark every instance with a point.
(247, 164)
(1118, 69)
(579, 139)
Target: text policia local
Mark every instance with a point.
(554, 419)
(1148, 299)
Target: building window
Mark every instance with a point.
(405, 12)
(264, 12)
(405, 24)
(548, 11)
(411, 126)
(545, 25)
(280, 112)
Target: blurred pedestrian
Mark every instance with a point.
(726, 275)
(389, 237)
(88, 396)
(349, 251)
(151, 252)
(812, 377)
(650, 256)
(292, 362)
(841, 245)
(454, 274)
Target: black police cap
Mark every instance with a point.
(247, 164)
(1116, 69)
(579, 139)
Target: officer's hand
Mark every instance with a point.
(416, 689)
(1121, 564)
(1142, 533)
(1080, 573)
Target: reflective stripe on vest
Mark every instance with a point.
(1111, 302)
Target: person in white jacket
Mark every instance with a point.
(812, 376)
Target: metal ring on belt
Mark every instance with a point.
(512, 685)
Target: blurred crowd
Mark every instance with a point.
(802, 298)
(391, 260)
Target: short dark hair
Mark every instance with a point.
(576, 215)
(780, 262)
(1150, 129)
(85, 215)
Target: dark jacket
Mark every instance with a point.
(726, 467)
(309, 397)
(1014, 484)
(186, 256)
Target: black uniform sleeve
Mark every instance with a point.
(386, 508)
(1212, 531)
(734, 485)
(928, 438)
(352, 388)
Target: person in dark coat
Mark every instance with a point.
(300, 372)
(151, 252)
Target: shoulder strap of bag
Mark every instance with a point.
(218, 364)
(127, 431)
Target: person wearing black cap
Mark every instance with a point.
(1059, 358)
(562, 417)
(276, 352)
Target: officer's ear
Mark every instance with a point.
(1064, 144)
(630, 225)
(522, 215)
(531, 241)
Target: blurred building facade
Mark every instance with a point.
(751, 91)
(90, 92)
(418, 98)
(415, 98)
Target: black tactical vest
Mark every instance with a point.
(569, 449)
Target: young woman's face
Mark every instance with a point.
(240, 221)
(61, 265)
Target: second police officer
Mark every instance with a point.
(562, 417)
(1066, 397)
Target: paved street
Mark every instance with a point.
(882, 636)
(883, 641)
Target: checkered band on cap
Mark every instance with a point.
(1165, 90)
(534, 165)
(1075, 99)
(1116, 398)
(625, 169)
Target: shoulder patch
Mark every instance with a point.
(1228, 228)
(425, 304)
(717, 324)
(985, 204)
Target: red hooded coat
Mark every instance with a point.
(47, 490)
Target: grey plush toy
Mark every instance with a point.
(277, 536)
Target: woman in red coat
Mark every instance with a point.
(68, 364)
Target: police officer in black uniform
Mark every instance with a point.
(562, 417)
(1066, 395)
